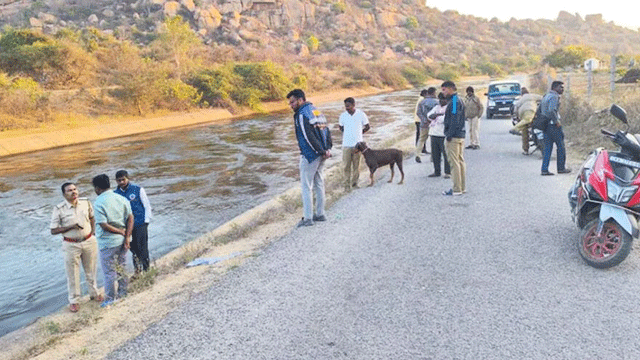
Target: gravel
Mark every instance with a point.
(402, 272)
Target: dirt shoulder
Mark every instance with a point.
(58, 134)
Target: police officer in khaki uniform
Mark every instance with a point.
(73, 218)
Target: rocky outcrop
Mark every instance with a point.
(368, 29)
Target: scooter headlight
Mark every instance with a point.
(620, 194)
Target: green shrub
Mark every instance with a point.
(410, 44)
(490, 69)
(411, 22)
(339, 7)
(266, 77)
(448, 74)
(415, 76)
(313, 43)
(179, 96)
(215, 86)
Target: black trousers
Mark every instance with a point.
(437, 151)
(140, 247)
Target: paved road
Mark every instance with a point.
(402, 272)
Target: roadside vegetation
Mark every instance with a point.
(77, 75)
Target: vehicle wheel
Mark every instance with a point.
(607, 250)
(489, 115)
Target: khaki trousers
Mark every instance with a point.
(351, 163)
(455, 155)
(74, 253)
(474, 131)
(523, 127)
(424, 134)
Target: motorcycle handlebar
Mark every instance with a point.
(608, 133)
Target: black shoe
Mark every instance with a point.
(418, 159)
(469, 147)
(305, 222)
(476, 147)
(433, 175)
(319, 218)
(546, 173)
(564, 171)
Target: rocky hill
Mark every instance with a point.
(370, 29)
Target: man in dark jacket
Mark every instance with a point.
(314, 141)
(454, 119)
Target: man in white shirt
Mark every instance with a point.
(353, 123)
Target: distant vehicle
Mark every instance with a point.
(501, 96)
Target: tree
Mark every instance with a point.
(572, 55)
(178, 44)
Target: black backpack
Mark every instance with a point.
(539, 121)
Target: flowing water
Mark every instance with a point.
(196, 178)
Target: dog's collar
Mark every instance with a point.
(365, 149)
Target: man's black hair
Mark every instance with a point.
(64, 186)
(449, 84)
(556, 83)
(350, 100)
(297, 93)
(122, 173)
(431, 90)
(424, 92)
(470, 89)
(101, 182)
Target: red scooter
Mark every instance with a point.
(605, 199)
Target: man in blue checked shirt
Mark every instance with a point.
(553, 133)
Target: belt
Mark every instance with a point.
(77, 240)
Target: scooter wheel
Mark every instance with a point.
(606, 250)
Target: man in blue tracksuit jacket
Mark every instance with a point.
(314, 141)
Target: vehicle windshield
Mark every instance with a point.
(504, 89)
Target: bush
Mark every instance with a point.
(266, 77)
(572, 55)
(339, 7)
(313, 43)
(411, 23)
(178, 95)
(215, 86)
(415, 76)
(448, 74)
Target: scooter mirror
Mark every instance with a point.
(619, 112)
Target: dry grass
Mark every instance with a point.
(583, 115)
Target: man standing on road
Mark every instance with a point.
(353, 123)
(454, 118)
(141, 208)
(424, 106)
(73, 218)
(115, 224)
(315, 144)
(525, 108)
(416, 120)
(473, 110)
(553, 133)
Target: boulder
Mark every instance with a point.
(303, 50)
(171, 8)
(247, 36)
(157, 2)
(36, 23)
(189, 5)
(93, 19)
(47, 18)
(108, 13)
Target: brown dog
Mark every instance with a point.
(378, 158)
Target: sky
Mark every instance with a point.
(622, 12)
